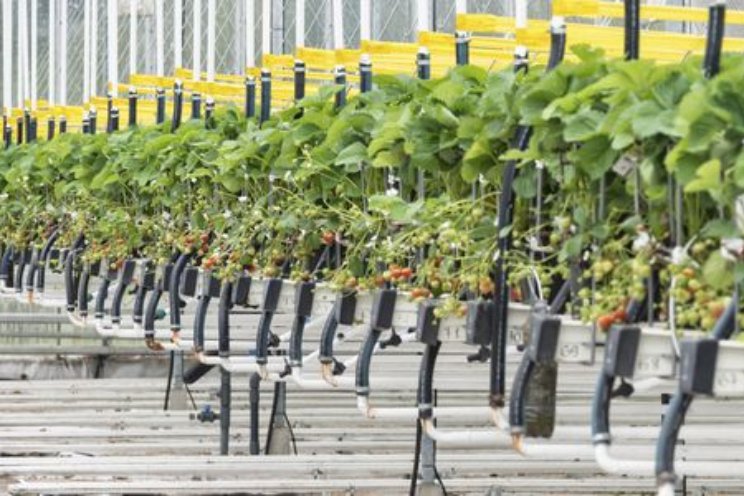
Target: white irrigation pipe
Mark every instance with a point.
(365, 20)
(300, 24)
(34, 49)
(177, 34)
(265, 27)
(52, 53)
(159, 39)
(250, 33)
(133, 36)
(86, 50)
(211, 36)
(8, 56)
(337, 24)
(196, 45)
(112, 57)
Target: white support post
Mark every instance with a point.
(112, 58)
(423, 15)
(197, 39)
(52, 52)
(250, 33)
(461, 6)
(62, 90)
(23, 72)
(211, 35)
(133, 36)
(86, 50)
(365, 20)
(520, 14)
(300, 24)
(93, 47)
(7, 56)
(338, 24)
(159, 39)
(34, 54)
(177, 34)
(265, 27)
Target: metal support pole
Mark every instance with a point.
(7, 57)
(159, 39)
(211, 37)
(177, 33)
(279, 440)
(196, 44)
(52, 50)
(133, 6)
(365, 20)
(250, 33)
(112, 57)
(62, 89)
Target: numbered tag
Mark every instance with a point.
(624, 165)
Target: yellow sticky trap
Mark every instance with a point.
(576, 7)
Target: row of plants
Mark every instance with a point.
(627, 160)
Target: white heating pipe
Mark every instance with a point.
(133, 36)
(159, 39)
(112, 57)
(197, 39)
(250, 33)
(177, 33)
(211, 38)
(300, 23)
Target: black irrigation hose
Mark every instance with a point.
(69, 278)
(140, 295)
(223, 321)
(125, 278)
(6, 267)
(40, 275)
(173, 290)
(82, 291)
(304, 299)
(363, 364)
(18, 276)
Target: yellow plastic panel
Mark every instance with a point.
(485, 23)
(575, 7)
